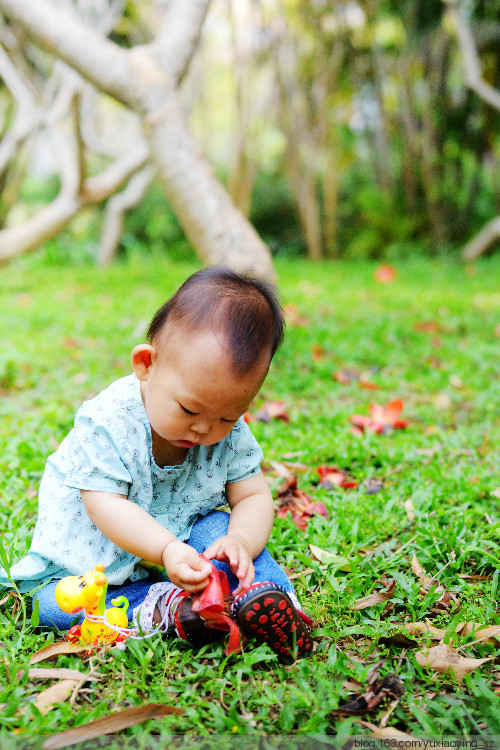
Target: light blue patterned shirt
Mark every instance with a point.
(110, 449)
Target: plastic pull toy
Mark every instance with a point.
(87, 593)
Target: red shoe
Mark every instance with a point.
(192, 627)
(265, 611)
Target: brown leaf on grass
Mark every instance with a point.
(401, 739)
(298, 503)
(56, 649)
(444, 659)
(427, 583)
(273, 410)
(446, 601)
(373, 485)
(409, 509)
(56, 693)
(378, 689)
(58, 674)
(429, 326)
(485, 634)
(283, 469)
(415, 630)
(365, 382)
(331, 476)
(293, 316)
(345, 377)
(110, 724)
(376, 598)
(317, 352)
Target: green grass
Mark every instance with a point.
(68, 333)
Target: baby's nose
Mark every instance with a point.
(202, 427)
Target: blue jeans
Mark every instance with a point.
(205, 531)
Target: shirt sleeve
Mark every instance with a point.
(95, 456)
(245, 454)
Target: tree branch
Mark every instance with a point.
(178, 36)
(115, 213)
(97, 59)
(470, 58)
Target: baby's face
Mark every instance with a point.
(191, 395)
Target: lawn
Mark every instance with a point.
(430, 489)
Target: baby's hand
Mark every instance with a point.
(234, 550)
(184, 566)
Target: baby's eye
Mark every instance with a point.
(228, 420)
(186, 411)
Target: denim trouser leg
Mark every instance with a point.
(206, 530)
(209, 528)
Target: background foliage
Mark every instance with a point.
(344, 129)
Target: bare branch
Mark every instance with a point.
(103, 185)
(472, 66)
(92, 55)
(26, 111)
(178, 36)
(115, 213)
(482, 241)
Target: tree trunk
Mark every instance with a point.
(145, 79)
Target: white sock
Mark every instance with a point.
(163, 596)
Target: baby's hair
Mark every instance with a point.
(244, 310)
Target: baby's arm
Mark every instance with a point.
(134, 530)
(249, 528)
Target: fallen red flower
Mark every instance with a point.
(273, 410)
(385, 274)
(332, 475)
(382, 419)
(298, 503)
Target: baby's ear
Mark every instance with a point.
(143, 357)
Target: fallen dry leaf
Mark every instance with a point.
(56, 693)
(429, 326)
(444, 659)
(345, 376)
(365, 382)
(375, 598)
(323, 556)
(382, 419)
(298, 503)
(110, 724)
(385, 274)
(331, 476)
(378, 688)
(41, 673)
(373, 485)
(408, 506)
(317, 352)
(397, 737)
(446, 600)
(55, 649)
(485, 634)
(273, 410)
(293, 316)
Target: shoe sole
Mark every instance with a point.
(268, 615)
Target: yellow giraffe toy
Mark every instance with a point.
(88, 593)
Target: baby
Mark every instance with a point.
(151, 458)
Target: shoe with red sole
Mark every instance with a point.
(266, 612)
(192, 627)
